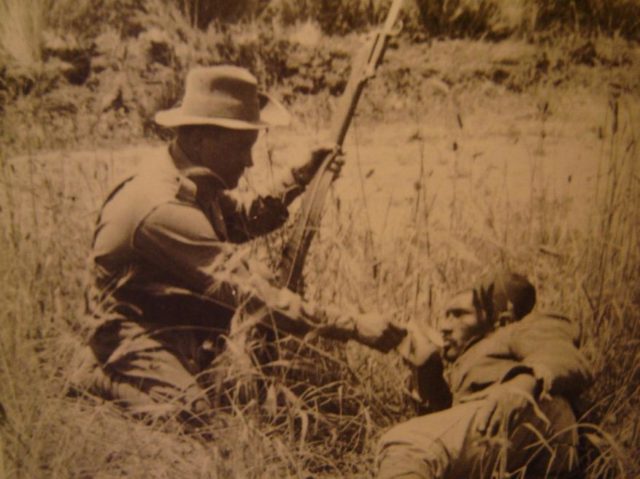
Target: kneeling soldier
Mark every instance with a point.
(167, 273)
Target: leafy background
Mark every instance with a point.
(496, 133)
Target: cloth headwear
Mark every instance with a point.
(504, 294)
(225, 96)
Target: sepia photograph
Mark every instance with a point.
(391, 239)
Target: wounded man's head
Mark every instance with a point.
(497, 299)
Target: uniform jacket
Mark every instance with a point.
(163, 255)
(170, 223)
(544, 345)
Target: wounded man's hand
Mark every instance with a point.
(504, 404)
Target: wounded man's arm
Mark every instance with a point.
(548, 346)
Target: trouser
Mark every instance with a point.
(147, 369)
(446, 444)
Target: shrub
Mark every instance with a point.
(611, 17)
(201, 13)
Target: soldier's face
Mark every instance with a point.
(461, 325)
(227, 153)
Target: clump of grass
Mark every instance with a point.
(587, 270)
(610, 268)
(323, 405)
(21, 31)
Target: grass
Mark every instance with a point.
(21, 30)
(399, 263)
(440, 185)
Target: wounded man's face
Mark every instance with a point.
(460, 326)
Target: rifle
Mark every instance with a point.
(308, 221)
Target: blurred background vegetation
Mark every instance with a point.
(113, 63)
(84, 77)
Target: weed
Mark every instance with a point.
(394, 239)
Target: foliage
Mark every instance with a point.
(326, 407)
(457, 18)
(75, 74)
(130, 57)
(614, 17)
(613, 294)
(21, 30)
(333, 16)
(202, 13)
(128, 71)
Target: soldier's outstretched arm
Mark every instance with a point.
(178, 238)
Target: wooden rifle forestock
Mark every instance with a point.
(308, 220)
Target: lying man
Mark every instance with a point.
(167, 272)
(505, 405)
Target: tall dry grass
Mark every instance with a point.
(327, 403)
(327, 408)
(609, 282)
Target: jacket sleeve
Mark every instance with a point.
(432, 386)
(547, 345)
(177, 238)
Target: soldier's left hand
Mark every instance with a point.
(305, 173)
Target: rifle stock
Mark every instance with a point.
(308, 220)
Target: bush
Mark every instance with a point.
(610, 17)
(201, 13)
(130, 57)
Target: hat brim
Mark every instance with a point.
(272, 113)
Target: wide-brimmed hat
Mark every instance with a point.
(225, 96)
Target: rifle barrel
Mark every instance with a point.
(361, 72)
(295, 251)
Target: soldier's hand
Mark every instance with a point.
(292, 304)
(305, 173)
(377, 332)
(267, 214)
